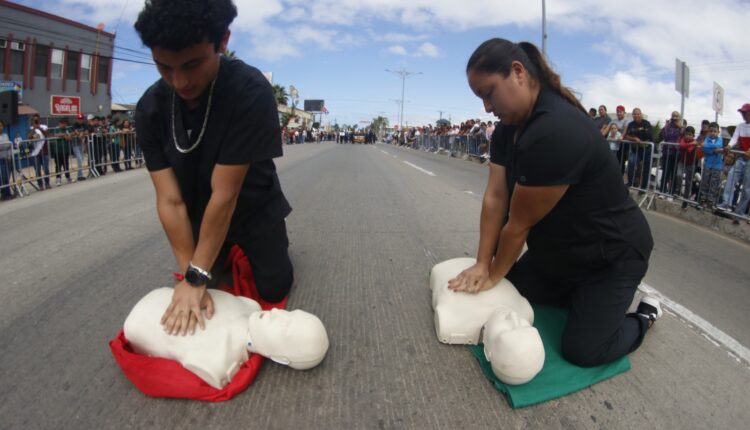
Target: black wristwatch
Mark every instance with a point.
(197, 277)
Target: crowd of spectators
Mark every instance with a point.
(474, 134)
(693, 165)
(97, 143)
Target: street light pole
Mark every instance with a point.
(404, 74)
(544, 28)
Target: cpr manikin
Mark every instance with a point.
(513, 347)
(238, 326)
(459, 317)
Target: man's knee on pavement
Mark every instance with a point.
(274, 288)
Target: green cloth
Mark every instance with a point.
(558, 377)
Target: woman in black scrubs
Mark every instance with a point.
(555, 185)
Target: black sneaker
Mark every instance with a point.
(649, 308)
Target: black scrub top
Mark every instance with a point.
(596, 222)
(243, 128)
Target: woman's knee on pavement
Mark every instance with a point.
(581, 351)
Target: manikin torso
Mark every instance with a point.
(238, 327)
(511, 344)
(214, 354)
(459, 317)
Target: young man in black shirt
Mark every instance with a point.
(209, 131)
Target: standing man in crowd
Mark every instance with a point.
(602, 121)
(740, 172)
(209, 129)
(6, 163)
(60, 150)
(639, 132)
(79, 143)
(670, 136)
(622, 124)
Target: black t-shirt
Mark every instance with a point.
(243, 128)
(596, 222)
(641, 130)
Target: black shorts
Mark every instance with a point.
(269, 258)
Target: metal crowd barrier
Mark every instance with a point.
(34, 163)
(453, 144)
(682, 175)
(669, 172)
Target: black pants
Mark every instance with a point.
(598, 331)
(269, 258)
(62, 164)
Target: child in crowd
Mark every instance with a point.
(689, 154)
(613, 135)
(713, 164)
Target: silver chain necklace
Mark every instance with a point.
(205, 121)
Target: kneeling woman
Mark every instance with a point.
(555, 185)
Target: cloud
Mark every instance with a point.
(397, 37)
(398, 50)
(427, 49)
(634, 41)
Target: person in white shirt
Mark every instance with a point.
(740, 172)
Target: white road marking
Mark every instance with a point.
(419, 168)
(385, 152)
(736, 350)
(469, 192)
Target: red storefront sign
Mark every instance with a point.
(65, 105)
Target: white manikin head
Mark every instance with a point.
(295, 338)
(513, 347)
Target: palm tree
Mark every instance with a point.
(282, 97)
(229, 54)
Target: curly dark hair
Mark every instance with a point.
(178, 24)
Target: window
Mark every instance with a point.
(58, 57)
(3, 43)
(16, 57)
(71, 68)
(103, 70)
(85, 68)
(2, 60)
(40, 62)
(16, 62)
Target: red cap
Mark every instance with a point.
(79, 116)
(744, 108)
(621, 107)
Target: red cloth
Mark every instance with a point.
(160, 377)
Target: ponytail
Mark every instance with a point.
(496, 56)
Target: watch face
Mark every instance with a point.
(194, 278)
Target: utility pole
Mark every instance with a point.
(544, 28)
(441, 114)
(398, 116)
(404, 74)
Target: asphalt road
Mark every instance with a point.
(368, 224)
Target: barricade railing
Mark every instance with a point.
(34, 163)
(671, 171)
(456, 145)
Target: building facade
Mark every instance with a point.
(60, 67)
